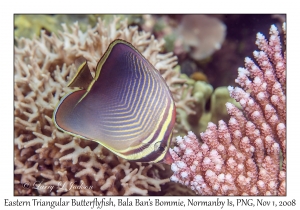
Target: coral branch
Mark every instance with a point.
(243, 157)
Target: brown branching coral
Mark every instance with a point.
(244, 156)
(72, 166)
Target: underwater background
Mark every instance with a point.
(206, 51)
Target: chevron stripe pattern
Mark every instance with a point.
(127, 108)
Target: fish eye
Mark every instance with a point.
(158, 147)
(161, 149)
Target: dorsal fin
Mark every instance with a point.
(82, 78)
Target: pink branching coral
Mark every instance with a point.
(247, 156)
(46, 156)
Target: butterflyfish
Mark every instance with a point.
(127, 106)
